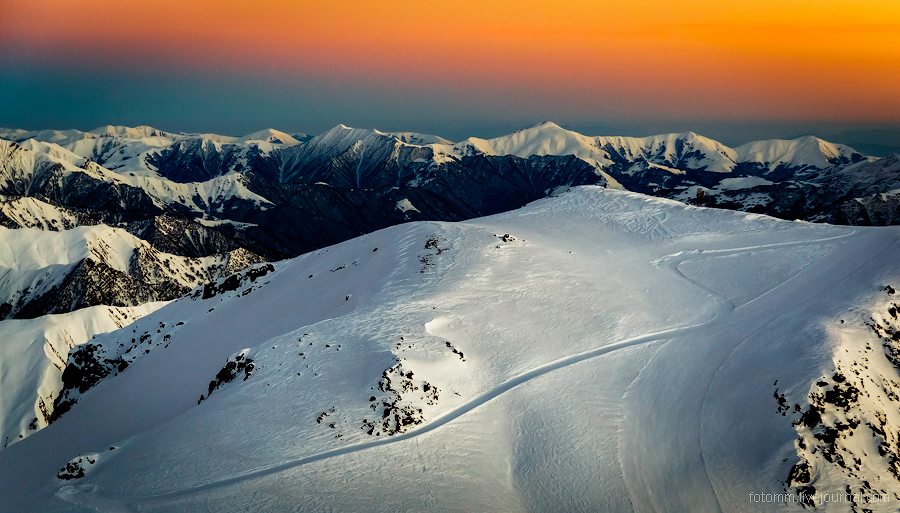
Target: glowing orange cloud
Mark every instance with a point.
(797, 59)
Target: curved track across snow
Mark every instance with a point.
(722, 307)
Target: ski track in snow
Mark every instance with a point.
(672, 263)
(704, 404)
(89, 495)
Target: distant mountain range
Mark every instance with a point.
(280, 195)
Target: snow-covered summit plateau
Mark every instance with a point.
(596, 350)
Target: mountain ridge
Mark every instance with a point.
(541, 139)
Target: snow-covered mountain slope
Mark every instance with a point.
(805, 178)
(43, 272)
(33, 355)
(96, 279)
(687, 151)
(599, 350)
(277, 196)
(168, 233)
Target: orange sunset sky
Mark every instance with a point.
(459, 64)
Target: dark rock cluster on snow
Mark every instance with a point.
(835, 415)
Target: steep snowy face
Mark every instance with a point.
(342, 157)
(681, 152)
(33, 356)
(43, 272)
(27, 212)
(508, 363)
(16, 168)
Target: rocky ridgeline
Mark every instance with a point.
(80, 466)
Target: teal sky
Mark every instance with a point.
(34, 98)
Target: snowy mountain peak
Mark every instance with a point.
(547, 124)
(805, 151)
(342, 136)
(417, 139)
(543, 139)
(54, 152)
(676, 150)
(181, 171)
(56, 136)
(138, 132)
(271, 135)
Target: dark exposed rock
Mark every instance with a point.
(181, 236)
(234, 367)
(86, 367)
